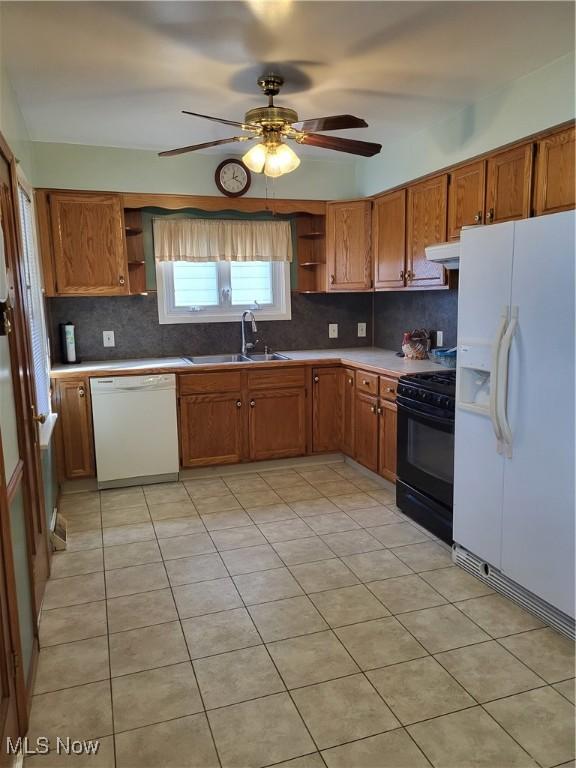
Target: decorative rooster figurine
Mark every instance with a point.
(415, 344)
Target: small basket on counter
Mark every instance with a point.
(444, 356)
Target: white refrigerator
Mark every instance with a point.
(514, 426)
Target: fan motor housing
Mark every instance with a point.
(271, 117)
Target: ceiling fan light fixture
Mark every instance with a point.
(255, 158)
(286, 158)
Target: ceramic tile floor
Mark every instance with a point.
(288, 617)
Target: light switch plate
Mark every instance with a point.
(362, 330)
(439, 338)
(332, 330)
(108, 338)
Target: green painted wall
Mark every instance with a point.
(75, 166)
(532, 103)
(12, 123)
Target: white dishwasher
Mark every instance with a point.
(135, 429)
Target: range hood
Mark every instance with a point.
(446, 254)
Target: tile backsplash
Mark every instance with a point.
(134, 320)
(399, 311)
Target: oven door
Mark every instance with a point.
(426, 451)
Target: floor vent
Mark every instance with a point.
(501, 583)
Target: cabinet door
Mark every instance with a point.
(211, 429)
(509, 185)
(348, 258)
(75, 412)
(387, 439)
(426, 226)
(366, 430)
(348, 406)
(326, 409)
(555, 182)
(277, 427)
(89, 247)
(466, 197)
(389, 240)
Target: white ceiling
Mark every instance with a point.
(118, 73)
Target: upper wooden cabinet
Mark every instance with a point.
(509, 184)
(426, 203)
(389, 240)
(466, 195)
(555, 182)
(348, 257)
(83, 244)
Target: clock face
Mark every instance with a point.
(232, 178)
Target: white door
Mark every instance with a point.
(538, 525)
(484, 291)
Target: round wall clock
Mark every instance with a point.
(232, 178)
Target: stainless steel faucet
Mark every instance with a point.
(248, 345)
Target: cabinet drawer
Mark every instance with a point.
(388, 387)
(367, 382)
(198, 383)
(265, 378)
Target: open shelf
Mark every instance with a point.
(135, 252)
(311, 256)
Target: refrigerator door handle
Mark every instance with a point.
(494, 377)
(502, 391)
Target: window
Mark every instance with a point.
(219, 291)
(35, 316)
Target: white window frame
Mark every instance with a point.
(45, 429)
(281, 309)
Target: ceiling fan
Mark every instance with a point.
(272, 126)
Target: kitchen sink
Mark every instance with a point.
(235, 358)
(209, 359)
(265, 358)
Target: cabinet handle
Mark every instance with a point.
(121, 280)
(81, 391)
(252, 403)
(373, 408)
(379, 411)
(366, 382)
(401, 274)
(40, 418)
(490, 215)
(351, 381)
(478, 217)
(316, 379)
(332, 279)
(389, 389)
(409, 274)
(238, 403)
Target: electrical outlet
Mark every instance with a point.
(108, 338)
(362, 330)
(439, 338)
(332, 330)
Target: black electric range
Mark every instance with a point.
(425, 485)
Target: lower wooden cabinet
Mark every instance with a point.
(387, 440)
(228, 417)
(375, 429)
(326, 409)
(348, 401)
(366, 430)
(211, 429)
(277, 424)
(76, 436)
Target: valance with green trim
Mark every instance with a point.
(196, 240)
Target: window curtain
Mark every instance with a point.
(221, 240)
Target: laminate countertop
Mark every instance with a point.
(370, 358)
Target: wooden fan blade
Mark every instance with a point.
(333, 123)
(194, 147)
(364, 148)
(216, 119)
